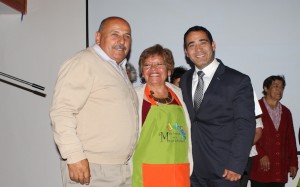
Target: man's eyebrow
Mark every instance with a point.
(201, 40)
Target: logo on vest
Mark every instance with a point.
(174, 133)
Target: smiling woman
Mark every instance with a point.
(163, 151)
(156, 61)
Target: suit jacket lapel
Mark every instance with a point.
(188, 90)
(213, 86)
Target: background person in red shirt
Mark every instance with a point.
(277, 152)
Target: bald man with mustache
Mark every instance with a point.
(94, 111)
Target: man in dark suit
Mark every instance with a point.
(223, 125)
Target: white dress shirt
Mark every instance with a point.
(209, 72)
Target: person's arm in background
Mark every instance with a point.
(292, 149)
(264, 161)
(258, 130)
(259, 123)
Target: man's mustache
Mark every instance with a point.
(118, 47)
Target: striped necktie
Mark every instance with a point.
(199, 91)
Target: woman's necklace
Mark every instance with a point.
(166, 100)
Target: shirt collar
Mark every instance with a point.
(208, 70)
(106, 58)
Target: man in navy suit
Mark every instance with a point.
(223, 126)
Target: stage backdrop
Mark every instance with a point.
(259, 38)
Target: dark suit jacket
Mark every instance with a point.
(223, 128)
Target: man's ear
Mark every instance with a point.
(186, 54)
(97, 38)
(214, 45)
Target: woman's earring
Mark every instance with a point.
(169, 78)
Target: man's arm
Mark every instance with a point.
(71, 93)
(232, 176)
(244, 120)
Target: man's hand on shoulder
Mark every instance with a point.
(80, 172)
